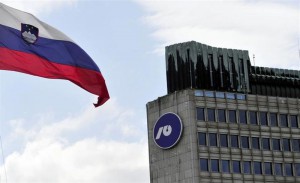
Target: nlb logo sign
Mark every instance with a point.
(167, 130)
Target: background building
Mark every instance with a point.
(240, 122)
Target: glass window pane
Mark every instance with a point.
(236, 167)
(202, 138)
(253, 117)
(286, 144)
(297, 169)
(213, 139)
(255, 143)
(204, 165)
(224, 140)
(199, 93)
(263, 118)
(273, 119)
(221, 115)
(268, 168)
(294, 121)
(225, 166)
(200, 114)
(296, 145)
(257, 167)
(288, 169)
(276, 144)
(214, 165)
(211, 115)
(232, 116)
(234, 141)
(247, 167)
(266, 143)
(243, 116)
(245, 142)
(283, 120)
(278, 169)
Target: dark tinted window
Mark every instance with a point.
(278, 169)
(224, 140)
(288, 169)
(211, 115)
(296, 145)
(225, 166)
(213, 139)
(294, 121)
(234, 141)
(273, 119)
(268, 168)
(283, 120)
(200, 114)
(265, 143)
(276, 144)
(202, 138)
(297, 169)
(257, 167)
(243, 116)
(232, 116)
(204, 165)
(255, 143)
(263, 118)
(286, 144)
(253, 117)
(221, 115)
(236, 168)
(245, 142)
(247, 167)
(214, 165)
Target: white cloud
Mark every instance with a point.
(268, 29)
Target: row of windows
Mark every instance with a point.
(245, 142)
(250, 167)
(218, 94)
(247, 117)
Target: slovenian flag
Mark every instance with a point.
(30, 46)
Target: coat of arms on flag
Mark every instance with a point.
(29, 33)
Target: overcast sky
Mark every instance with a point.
(50, 130)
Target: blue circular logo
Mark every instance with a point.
(167, 130)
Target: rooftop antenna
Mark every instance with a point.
(254, 59)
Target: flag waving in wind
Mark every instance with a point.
(30, 46)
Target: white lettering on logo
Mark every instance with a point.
(166, 131)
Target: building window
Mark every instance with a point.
(247, 167)
(224, 140)
(245, 142)
(297, 169)
(288, 169)
(200, 114)
(263, 118)
(243, 116)
(213, 141)
(225, 166)
(283, 120)
(265, 143)
(273, 119)
(286, 144)
(296, 145)
(204, 165)
(232, 116)
(278, 169)
(202, 138)
(236, 168)
(214, 165)
(221, 115)
(294, 121)
(253, 117)
(211, 115)
(268, 168)
(234, 141)
(276, 144)
(255, 143)
(257, 168)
